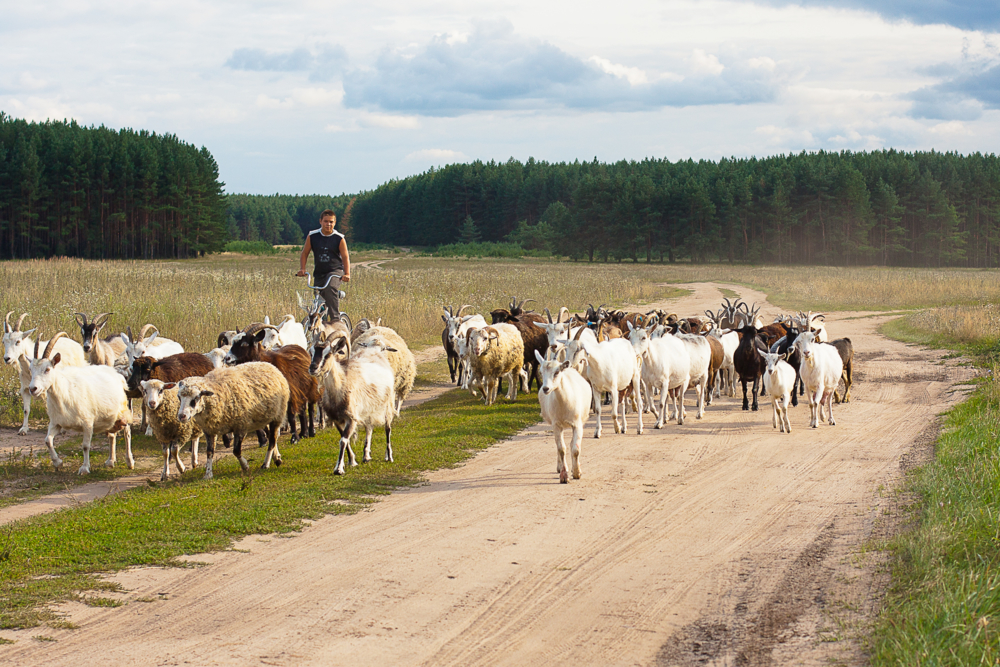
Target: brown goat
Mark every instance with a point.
(293, 362)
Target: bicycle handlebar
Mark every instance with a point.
(327, 284)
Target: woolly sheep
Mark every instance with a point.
(162, 404)
(498, 351)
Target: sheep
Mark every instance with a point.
(293, 362)
(18, 349)
(820, 368)
(217, 356)
(564, 398)
(779, 380)
(161, 403)
(611, 366)
(497, 351)
(533, 337)
(749, 363)
(846, 350)
(99, 352)
(357, 391)
(288, 332)
(362, 326)
(404, 366)
(154, 346)
(90, 399)
(236, 400)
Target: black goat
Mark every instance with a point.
(749, 362)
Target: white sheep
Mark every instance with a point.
(404, 366)
(238, 400)
(779, 381)
(564, 398)
(611, 366)
(18, 349)
(90, 399)
(820, 368)
(218, 355)
(161, 403)
(357, 391)
(498, 351)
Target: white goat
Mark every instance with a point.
(289, 332)
(357, 391)
(699, 353)
(730, 340)
(458, 327)
(564, 398)
(90, 399)
(820, 368)
(611, 366)
(18, 349)
(665, 366)
(154, 346)
(779, 381)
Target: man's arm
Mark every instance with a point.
(306, 249)
(346, 257)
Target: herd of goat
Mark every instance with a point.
(647, 359)
(266, 377)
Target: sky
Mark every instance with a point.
(306, 96)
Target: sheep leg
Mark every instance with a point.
(238, 452)
(597, 409)
(88, 435)
(145, 426)
(176, 449)
(290, 417)
(388, 443)
(194, 452)
(26, 404)
(303, 429)
(561, 456)
(576, 445)
(49, 437)
(272, 447)
(167, 446)
(261, 437)
(209, 454)
(312, 420)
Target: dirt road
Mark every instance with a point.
(719, 542)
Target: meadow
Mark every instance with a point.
(944, 569)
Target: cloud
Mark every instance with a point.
(963, 97)
(494, 68)
(390, 122)
(328, 62)
(967, 15)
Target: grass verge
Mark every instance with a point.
(944, 604)
(58, 556)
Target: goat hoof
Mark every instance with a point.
(23, 431)
(84, 470)
(294, 439)
(277, 462)
(338, 471)
(110, 463)
(564, 477)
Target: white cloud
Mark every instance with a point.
(267, 102)
(705, 63)
(389, 121)
(317, 97)
(952, 128)
(633, 75)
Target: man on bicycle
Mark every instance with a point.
(330, 259)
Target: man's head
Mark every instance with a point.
(327, 220)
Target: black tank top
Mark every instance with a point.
(326, 252)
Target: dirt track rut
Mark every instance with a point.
(718, 542)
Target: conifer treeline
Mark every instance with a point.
(102, 193)
(280, 219)
(884, 207)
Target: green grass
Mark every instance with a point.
(251, 248)
(944, 605)
(58, 556)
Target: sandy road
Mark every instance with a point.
(719, 542)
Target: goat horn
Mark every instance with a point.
(80, 316)
(548, 314)
(145, 330)
(579, 333)
(562, 310)
(728, 304)
(462, 309)
(128, 330)
(38, 339)
(52, 344)
(17, 327)
(6, 322)
(521, 305)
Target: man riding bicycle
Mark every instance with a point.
(331, 261)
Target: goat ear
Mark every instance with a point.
(153, 337)
(540, 358)
(563, 366)
(444, 318)
(125, 339)
(259, 336)
(56, 358)
(630, 327)
(25, 334)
